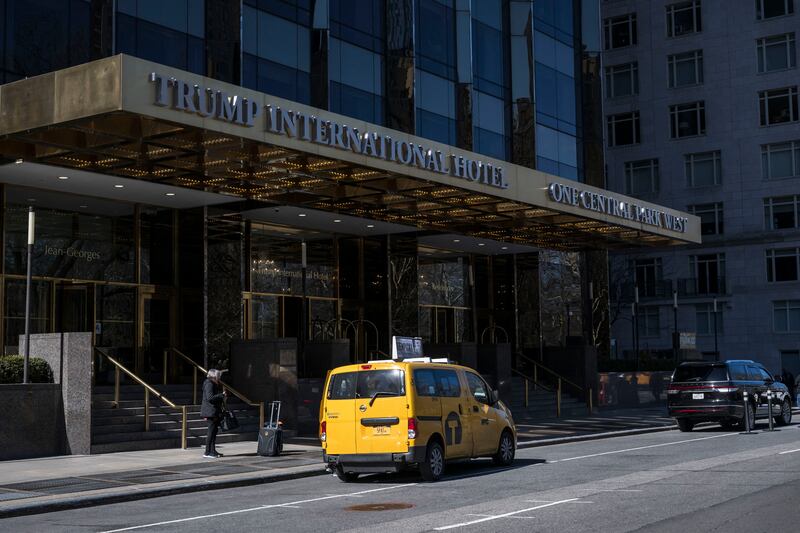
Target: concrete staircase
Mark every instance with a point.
(121, 429)
(541, 402)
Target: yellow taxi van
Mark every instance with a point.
(390, 415)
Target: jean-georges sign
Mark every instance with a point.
(211, 103)
(604, 203)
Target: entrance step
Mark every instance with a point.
(541, 403)
(120, 427)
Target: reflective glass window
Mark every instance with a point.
(435, 37)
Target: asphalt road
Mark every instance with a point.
(707, 480)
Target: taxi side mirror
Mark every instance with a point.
(494, 397)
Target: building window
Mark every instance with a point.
(685, 69)
(622, 80)
(710, 217)
(786, 316)
(781, 212)
(623, 129)
(687, 120)
(641, 177)
(648, 321)
(781, 160)
(776, 53)
(647, 275)
(709, 273)
(782, 264)
(620, 31)
(683, 18)
(704, 314)
(767, 9)
(778, 106)
(703, 169)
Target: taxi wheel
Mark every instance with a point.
(432, 468)
(785, 418)
(505, 450)
(345, 477)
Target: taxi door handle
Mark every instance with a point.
(475, 408)
(459, 410)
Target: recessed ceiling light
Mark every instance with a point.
(30, 200)
(169, 194)
(83, 206)
(119, 186)
(456, 240)
(301, 214)
(481, 244)
(370, 225)
(63, 177)
(504, 247)
(19, 161)
(337, 220)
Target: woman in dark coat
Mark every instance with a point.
(211, 410)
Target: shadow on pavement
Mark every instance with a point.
(453, 471)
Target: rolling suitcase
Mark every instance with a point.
(270, 437)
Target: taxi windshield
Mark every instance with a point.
(366, 384)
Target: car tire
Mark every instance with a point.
(685, 425)
(785, 418)
(345, 477)
(505, 450)
(433, 466)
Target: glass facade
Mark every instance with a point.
(171, 33)
(276, 43)
(556, 99)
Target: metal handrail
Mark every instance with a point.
(195, 368)
(551, 372)
(148, 390)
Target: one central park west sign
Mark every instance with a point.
(605, 203)
(210, 103)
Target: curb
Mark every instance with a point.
(592, 436)
(136, 493)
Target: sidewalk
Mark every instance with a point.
(31, 486)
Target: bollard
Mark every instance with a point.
(769, 400)
(746, 417)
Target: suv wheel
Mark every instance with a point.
(751, 415)
(432, 468)
(785, 418)
(684, 424)
(505, 450)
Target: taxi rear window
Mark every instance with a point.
(351, 385)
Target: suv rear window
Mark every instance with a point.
(351, 385)
(700, 373)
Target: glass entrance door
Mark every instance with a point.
(156, 334)
(74, 309)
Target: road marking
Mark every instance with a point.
(260, 508)
(504, 515)
(641, 448)
(613, 490)
(789, 451)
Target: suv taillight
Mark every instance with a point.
(412, 428)
(323, 433)
(726, 389)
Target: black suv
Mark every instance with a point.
(714, 392)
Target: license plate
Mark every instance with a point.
(380, 430)
(697, 396)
